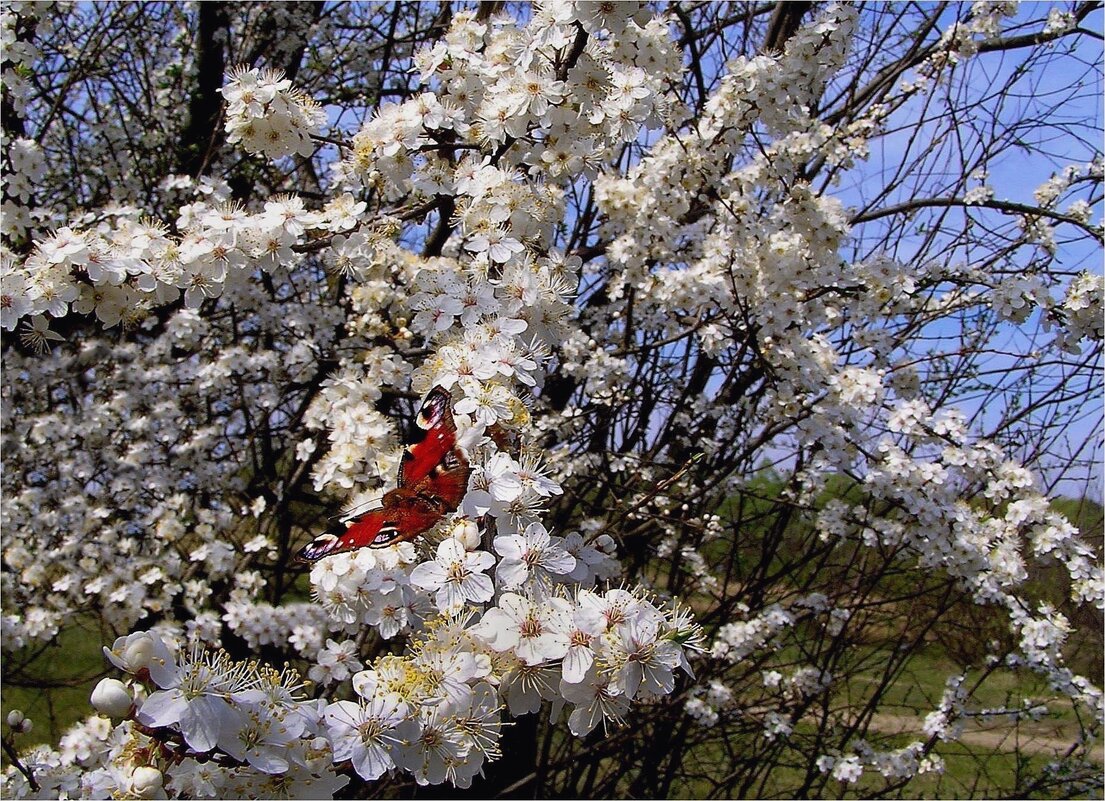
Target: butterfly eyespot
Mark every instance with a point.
(386, 535)
(318, 547)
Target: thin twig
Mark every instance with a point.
(14, 757)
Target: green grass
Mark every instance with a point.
(970, 771)
(922, 683)
(71, 667)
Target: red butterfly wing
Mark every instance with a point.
(422, 457)
(433, 477)
(403, 517)
(428, 501)
(447, 483)
(360, 534)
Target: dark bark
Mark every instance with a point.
(785, 21)
(202, 135)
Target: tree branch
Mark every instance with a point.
(1006, 206)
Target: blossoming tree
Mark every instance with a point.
(763, 386)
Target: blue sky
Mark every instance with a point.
(1064, 91)
(1051, 88)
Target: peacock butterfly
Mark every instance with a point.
(433, 477)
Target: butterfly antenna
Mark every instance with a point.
(356, 510)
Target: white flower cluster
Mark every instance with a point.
(120, 271)
(768, 90)
(844, 769)
(510, 492)
(707, 704)
(608, 648)
(596, 651)
(194, 725)
(268, 116)
(26, 165)
(1017, 296)
(979, 546)
(961, 40)
(1059, 21)
(237, 728)
(360, 438)
(495, 88)
(946, 722)
(1050, 191)
(24, 161)
(19, 53)
(301, 625)
(978, 194)
(709, 235)
(1082, 312)
(737, 640)
(900, 763)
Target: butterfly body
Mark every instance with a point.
(433, 477)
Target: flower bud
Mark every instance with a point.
(144, 655)
(16, 719)
(468, 533)
(138, 653)
(146, 782)
(364, 683)
(112, 698)
(605, 543)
